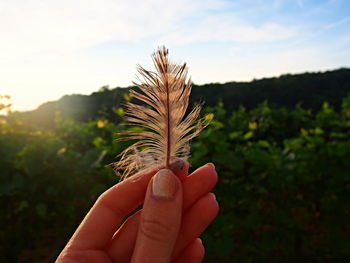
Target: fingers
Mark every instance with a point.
(180, 168)
(123, 242)
(195, 186)
(195, 221)
(199, 183)
(160, 219)
(112, 206)
(193, 253)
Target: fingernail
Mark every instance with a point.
(164, 184)
(211, 164)
(179, 164)
(213, 196)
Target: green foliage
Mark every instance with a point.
(48, 181)
(283, 188)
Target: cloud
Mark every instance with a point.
(54, 27)
(245, 67)
(37, 27)
(336, 23)
(227, 29)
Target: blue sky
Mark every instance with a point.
(52, 48)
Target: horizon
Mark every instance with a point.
(209, 83)
(54, 48)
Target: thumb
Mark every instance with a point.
(160, 219)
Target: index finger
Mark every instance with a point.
(99, 225)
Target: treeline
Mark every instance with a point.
(308, 89)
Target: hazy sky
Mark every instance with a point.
(52, 48)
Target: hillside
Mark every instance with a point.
(309, 89)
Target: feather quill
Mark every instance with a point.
(167, 130)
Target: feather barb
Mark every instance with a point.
(163, 98)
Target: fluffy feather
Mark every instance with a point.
(167, 131)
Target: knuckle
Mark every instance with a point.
(155, 229)
(104, 202)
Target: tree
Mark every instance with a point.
(4, 102)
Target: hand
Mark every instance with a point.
(166, 229)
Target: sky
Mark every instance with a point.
(52, 48)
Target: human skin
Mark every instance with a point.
(166, 229)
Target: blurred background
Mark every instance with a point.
(274, 76)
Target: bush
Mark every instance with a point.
(283, 189)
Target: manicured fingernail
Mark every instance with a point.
(164, 184)
(179, 164)
(211, 164)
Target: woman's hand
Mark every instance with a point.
(166, 229)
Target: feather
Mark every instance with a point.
(167, 130)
